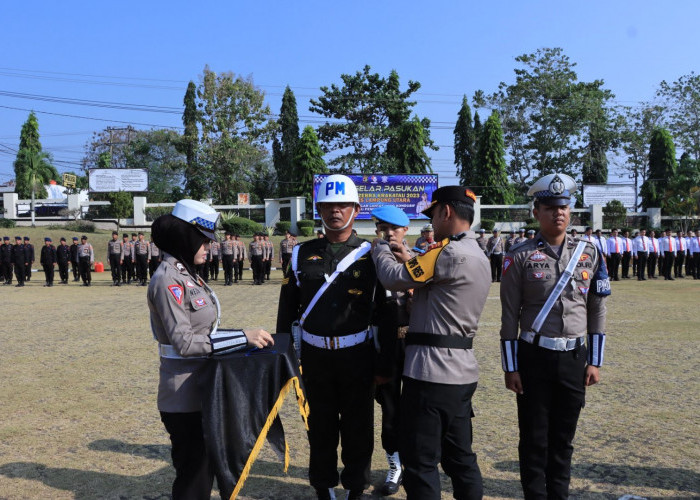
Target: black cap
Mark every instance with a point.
(115, 232)
(450, 193)
(26, 238)
(83, 237)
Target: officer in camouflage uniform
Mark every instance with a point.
(545, 321)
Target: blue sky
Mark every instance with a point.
(146, 52)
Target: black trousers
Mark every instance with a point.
(548, 411)
(689, 265)
(19, 272)
(340, 386)
(142, 267)
(696, 265)
(194, 476)
(286, 257)
(48, 273)
(127, 270)
(85, 269)
(115, 266)
(239, 268)
(214, 268)
(268, 267)
(388, 396)
(678, 264)
(651, 264)
(436, 428)
(28, 271)
(641, 264)
(626, 257)
(227, 262)
(63, 271)
(75, 267)
(257, 264)
(6, 268)
(496, 266)
(614, 265)
(669, 258)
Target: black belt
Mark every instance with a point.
(437, 340)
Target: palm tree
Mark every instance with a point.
(37, 171)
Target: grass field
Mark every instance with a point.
(78, 415)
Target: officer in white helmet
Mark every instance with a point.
(327, 300)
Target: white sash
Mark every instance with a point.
(349, 260)
(563, 281)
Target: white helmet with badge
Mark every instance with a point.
(337, 188)
(554, 189)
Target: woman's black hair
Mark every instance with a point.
(178, 238)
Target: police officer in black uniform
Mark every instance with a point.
(62, 259)
(31, 257)
(48, 260)
(6, 260)
(337, 352)
(75, 259)
(20, 257)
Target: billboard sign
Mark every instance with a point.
(601, 194)
(410, 192)
(107, 180)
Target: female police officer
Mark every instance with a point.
(553, 289)
(184, 319)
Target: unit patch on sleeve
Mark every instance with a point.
(506, 264)
(422, 267)
(176, 291)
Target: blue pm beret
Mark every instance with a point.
(391, 215)
(47, 239)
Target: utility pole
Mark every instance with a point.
(111, 143)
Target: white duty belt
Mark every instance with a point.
(334, 343)
(552, 343)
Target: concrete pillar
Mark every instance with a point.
(476, 225)
(272, 212)
(297, 207)
(9, 205)
(73, 201)
(140, 211)
(654, 217)
(596, 216)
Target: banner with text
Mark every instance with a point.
(601, 194)
(107, 180)
(410, 192)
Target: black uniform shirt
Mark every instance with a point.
(48, 255)
(347, 305)
(63, 253)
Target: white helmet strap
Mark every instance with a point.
(344, 225)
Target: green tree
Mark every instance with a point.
(682, 108)
(491, 180)
(635, 134)
(159, 152)
(367, 112)
(111, 141)
(662, 168)
(412, 138)
(195, 174)
(615, 214)
(549, 118)
(285, 144)
(36, 172)
(464, 142)
(680, 196)
(29, 143)
(309, 161)
(235, 124)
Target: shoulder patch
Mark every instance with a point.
(176, 291)
(422, 267)
(189, 284)
(506, 264)
(537, 256)
(315, 257)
